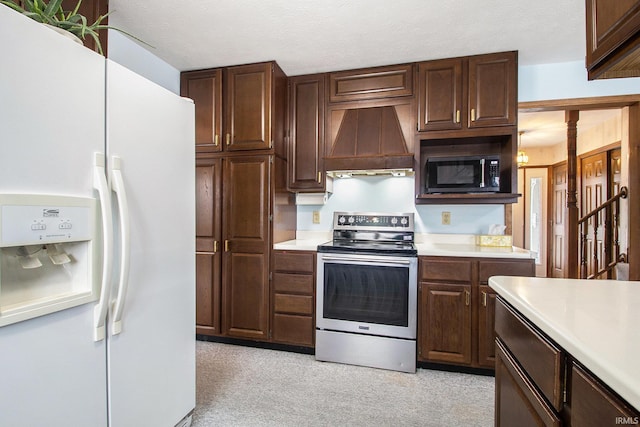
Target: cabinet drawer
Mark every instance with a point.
(295, 283)
(298, 304)
(436, 269)
(380, 82)
(518, 402)
(539, 358)
(299, 262)
(594, 405)
(487, 269)
(298, 330)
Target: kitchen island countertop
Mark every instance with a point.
(596, 321)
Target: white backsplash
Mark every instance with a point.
(396, 194)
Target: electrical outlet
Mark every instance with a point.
(446, 218)
(316, 217)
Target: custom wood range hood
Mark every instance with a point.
(369, 141)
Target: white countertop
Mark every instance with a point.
(596, 321)
(470, 250)
(460, 245)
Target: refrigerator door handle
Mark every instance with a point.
(123, 212)
(100, 184)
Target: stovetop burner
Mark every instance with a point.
(372, 233)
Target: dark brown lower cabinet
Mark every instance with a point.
(207, 294)
(446, 316)
(538, 383)
(234, 229)
(247, 188)
(293, 301)
(592, 404)
(518, 403)
(486, 326)
(456, 308)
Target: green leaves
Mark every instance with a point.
(53, 14)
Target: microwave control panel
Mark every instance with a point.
(494, 173)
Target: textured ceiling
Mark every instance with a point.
(308, 36)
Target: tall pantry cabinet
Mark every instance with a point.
(242, 206)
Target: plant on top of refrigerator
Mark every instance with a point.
(52, 13)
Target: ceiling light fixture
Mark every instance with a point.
(522, 157)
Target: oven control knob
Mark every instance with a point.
(403, 221)
(342, 219)
(394, 220)
(351, 219)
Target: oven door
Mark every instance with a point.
(367, 294)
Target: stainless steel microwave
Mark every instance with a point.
(463, 174)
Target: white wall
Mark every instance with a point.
(396, 194)
(568, 80)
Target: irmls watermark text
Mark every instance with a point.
(627, 420)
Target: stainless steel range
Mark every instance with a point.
(366, 300)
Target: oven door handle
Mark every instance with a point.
(385, 261)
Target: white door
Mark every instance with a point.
(535, 216)
(51, 123)
(151, 362)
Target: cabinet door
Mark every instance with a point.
(612, 26)
(486, 327)
(445, 323)
(493, 90)
(371, 83)
(248, 107)
(246, 247)
(205, 88)
(207, 294)
(592, 404)
(440, 100)
(306, 146)
(518, 403)
(208, 237)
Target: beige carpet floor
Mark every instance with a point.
(244, 386)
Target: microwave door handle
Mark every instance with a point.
(482, 173)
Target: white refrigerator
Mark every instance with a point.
(99, 331)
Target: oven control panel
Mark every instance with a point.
(372, 221)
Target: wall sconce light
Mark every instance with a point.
(522, 157)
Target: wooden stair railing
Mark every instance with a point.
(611, 211)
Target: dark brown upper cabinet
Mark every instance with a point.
(369, 118)
(238, 108)
(440, 103)
(468, 107)
(205, 89)
(613, 38)
(306, 133)
(371, 83)
(466, 93)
